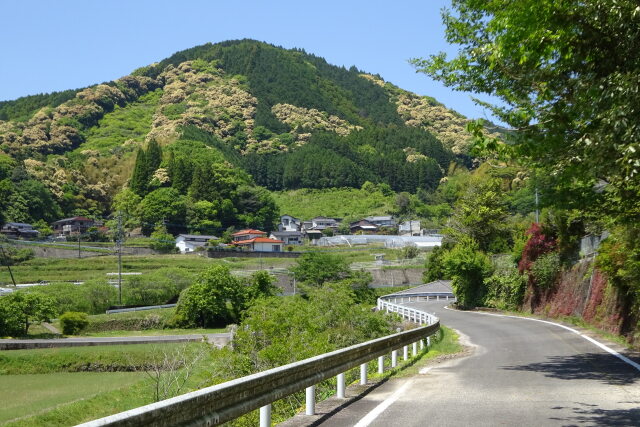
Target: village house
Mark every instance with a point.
(72, 226)
(260, 244)
(191, 242)
(289, 223)
(363, 227)
(288, 237)
(382, 221)
(410, 228)
(314, 227)
(247, 234)
(19, 230)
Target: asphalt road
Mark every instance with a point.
(521, 373)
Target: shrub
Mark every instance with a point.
(506, 287)
(468, 267)
(215, 299)
(410, 252)
(545, 269)
(73, 322)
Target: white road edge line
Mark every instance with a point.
(375, 412)
(591, 340)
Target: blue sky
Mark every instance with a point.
(56, 45)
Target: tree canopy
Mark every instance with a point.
(566, 74)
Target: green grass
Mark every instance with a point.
(333, 202)
(124, 123)
(155, 332)
(56, 269)
(25, 395)
(79, 359)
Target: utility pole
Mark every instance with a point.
(79, 252)
(119, 245)
(537, 212)
(4, 255)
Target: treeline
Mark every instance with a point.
(276, 75)
(23, 108)
(188, 186)
(407, 159)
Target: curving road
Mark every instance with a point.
(521, 373)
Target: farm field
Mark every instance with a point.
(81, 269)
(30, 394)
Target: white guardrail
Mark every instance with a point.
(223, 402)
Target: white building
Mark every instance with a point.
(289, 223)
(190, 242)
(261, 244)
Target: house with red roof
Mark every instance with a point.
(260, 244)
(247, 234)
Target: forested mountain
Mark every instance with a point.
(192, 140)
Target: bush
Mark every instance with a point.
(506, 287)
(217, 298)
(468, 267)
(545, 269)
(73, 322)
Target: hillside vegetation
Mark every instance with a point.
(195, 138)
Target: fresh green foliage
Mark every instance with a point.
(216, 298)
(93, 296)
(545, 270)
(506, 286)
(14, 256)
(22, 309)
(316, 268)
(130, 321)
(162, 241)
(468, 267)
(334, 202)
(73, 322)
(434, 267)
(23, 108)
(480, 214)
(129, 123)
(563, 85)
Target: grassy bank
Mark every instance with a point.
(25, 395)
(107, 358)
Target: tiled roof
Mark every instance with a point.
(248, 231)
(257, 240)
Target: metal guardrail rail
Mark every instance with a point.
(223, 402)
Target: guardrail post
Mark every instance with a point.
(265, 416)
(428, 341)
(421, 344)
(394, 358)
(311, 400)
(414, 349)
(381, 364)
(340, 379)
(405, 353)
(363, 374)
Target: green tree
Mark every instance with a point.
(261, 285)
(164, 205)
(161, 240)
(126, 201)
(481, 213)
(29, 307)
(216, 298)
(316, 268)
(468, 267)
(140, 177)
(566, 75)
(154, 157)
